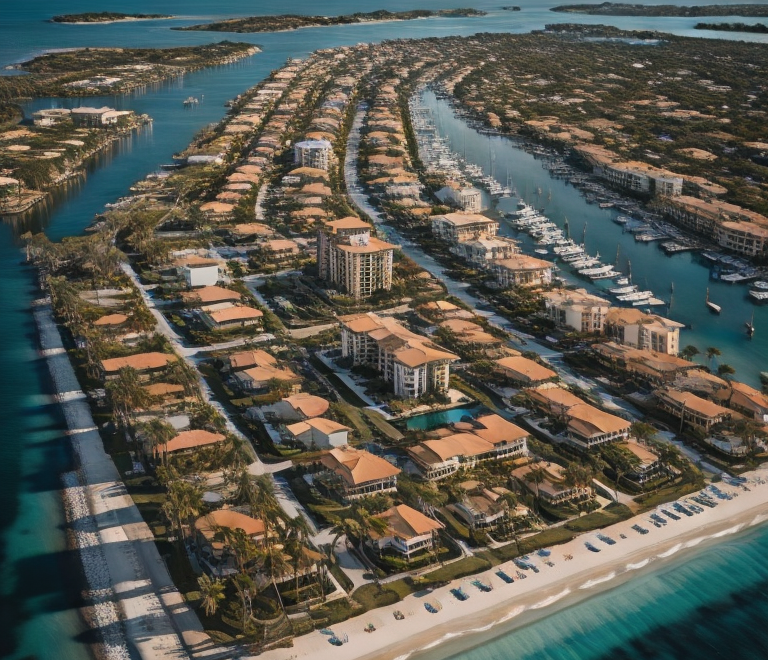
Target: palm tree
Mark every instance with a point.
(712, 353)
(127, 394)
(182, 373)
(535, 476)
(245, 587)
(212, 592)
(622, 462)
(274, 563)
(159, 433)
(725, 370)
(689, 352)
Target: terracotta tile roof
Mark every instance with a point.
(458, 444)
(246, 359)
(357, 466)
(407, 523)
(589, 421)
(308, 404)
(263, 374)
(161, 389)
(235, 313)
(210, 294)
(693, 402)
(495, 429)
(111, 319)
(326, 426)
(208, 525)
(192, 439)
(140, 362)
(463, 219)
(524, 369)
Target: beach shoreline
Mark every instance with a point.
(533, 598)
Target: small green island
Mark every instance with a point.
(627, 9)
(106, 17)
(758, 28)
(294, 21)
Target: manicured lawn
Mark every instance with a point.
(372, 596)
(613, 513)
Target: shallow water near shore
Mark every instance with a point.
(706, 603)
(39, 590)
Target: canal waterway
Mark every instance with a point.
(39, 591)
(651, 267)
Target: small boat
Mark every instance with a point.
(541, 251)
(760, 296)
(712, 306)
(191, 100)
(750, 326)
(761, 285)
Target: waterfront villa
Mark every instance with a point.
(643, 365)
(488, 437)
(412, 363)
(577, 309)
(648, 463)
(319, 432)
(210, 538)
(458, 227)
(586, 425)
(744, 399)
(355, 473)
(145, 363)
(552, 488)
(408, 533)
(522, 270)
(635, 328)
(691, 409)
(524, 371)
(480, 507)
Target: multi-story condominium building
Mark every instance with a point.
(522, 270)
(632, 327)
(577, 309)
(460, 227)
(632, 175)
(743, 237)
(412, 363)
(744, 399)
(469, 200)
(731, 226)
(348, 256)
(647, 366)
(313, 153)
(484, 251)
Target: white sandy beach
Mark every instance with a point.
(586, 571)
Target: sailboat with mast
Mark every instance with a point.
(713, 307)
(750, 325)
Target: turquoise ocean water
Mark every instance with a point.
(711, 604)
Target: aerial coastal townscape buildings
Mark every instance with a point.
(332, 371)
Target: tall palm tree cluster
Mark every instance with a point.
(264, 565)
